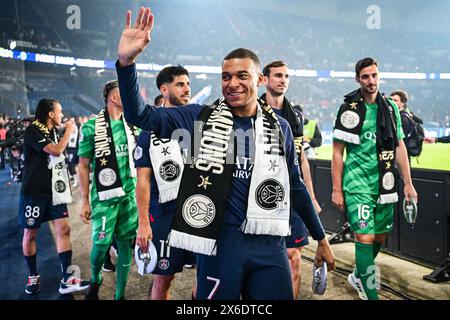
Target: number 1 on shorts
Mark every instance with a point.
(103, 223)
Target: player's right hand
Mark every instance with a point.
(69, 126)
(337, 198)
(86, 212)
(135, 38)
(317, 206)
(428, 140)
(144, 234)
(324, 253)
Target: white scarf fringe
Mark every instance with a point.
(271, 226)
(192, 243)
(346, 136)
(388, 198)
(109, 194)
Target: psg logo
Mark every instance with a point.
(60, 186)
(101, 235)
(107, 177)
(388, 181)
(198, 211)
(269, 194)
(163, 264)
(349, 119)
(169, 171)
(362, 224)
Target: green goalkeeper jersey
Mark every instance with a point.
(361, 163)
(86, 150)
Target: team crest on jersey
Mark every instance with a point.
(362, 224)
(163, 264)
(137, 153)
(169, 170)
(60, 186)
(388, 181)
(350, 119)
(101, 235)
(107, 177)
(269, 194)
(198, 211)
(31, 221)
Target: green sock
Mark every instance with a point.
(376, 249)
(123, 266)
(366, 266)
(98, 254)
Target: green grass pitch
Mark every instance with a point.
(434, 156)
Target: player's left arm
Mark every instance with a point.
(403, 165)
(302, 203)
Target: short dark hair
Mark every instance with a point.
(364, 63)
(273, 64)
(168, 74)
(242, 53)
(108, 87)
(158, 99)
(402, 94)
(44, 106)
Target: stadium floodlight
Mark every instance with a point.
(404, 75)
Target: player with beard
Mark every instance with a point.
(368, 127)
(155, 217)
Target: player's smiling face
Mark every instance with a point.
(240, 81)
(368, 79)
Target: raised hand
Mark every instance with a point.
(134, 39)
(69, 127)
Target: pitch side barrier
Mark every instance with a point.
(427, 242)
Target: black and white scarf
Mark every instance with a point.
(107, 175)
(295, 120)
(205, 183)
(167, 163)
(349, 121)
(61, 192)
(74, 137)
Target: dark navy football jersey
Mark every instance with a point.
(164, 121)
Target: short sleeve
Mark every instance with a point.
(35, 139)
(141, 153)
(86, 146)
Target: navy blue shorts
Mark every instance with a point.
(170, 260)
(255, 267)
(299, 234)
(36, 210)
